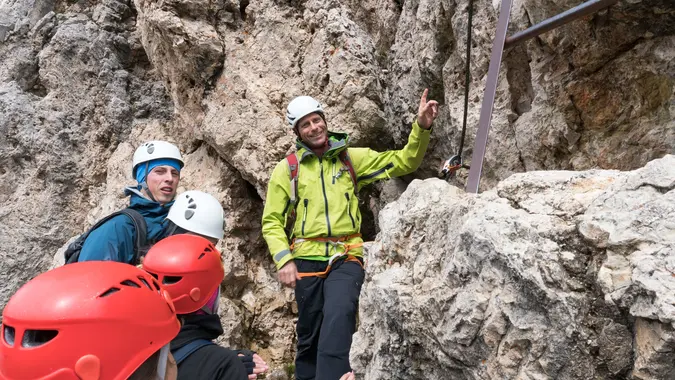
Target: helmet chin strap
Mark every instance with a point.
(162, 362)
(214, 309)
(144, 184)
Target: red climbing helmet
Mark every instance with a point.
(189, 267)
(89, 320)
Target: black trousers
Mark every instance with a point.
(326, 318)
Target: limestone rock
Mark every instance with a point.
(83, 83)
(70, 92)
(253, 306)
(546, 276)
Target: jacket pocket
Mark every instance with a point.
(349, 210)
(304, 215)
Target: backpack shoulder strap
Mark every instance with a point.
(182, 353)
(141, 228)
(72, 253)
(289, 210)
(294, 168)
(100, 223)
(344, 157)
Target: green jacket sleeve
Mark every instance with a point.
(277, 204)
(371, 166)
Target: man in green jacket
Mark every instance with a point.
(323, 258)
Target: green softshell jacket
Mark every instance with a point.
(326, 205)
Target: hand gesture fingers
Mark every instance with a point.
(423, 100)
(428, 111)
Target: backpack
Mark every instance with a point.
(180, 354)
(72, 253)
(294, 167)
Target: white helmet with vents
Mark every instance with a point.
(153, 150)
(198, 212)
(301, 107)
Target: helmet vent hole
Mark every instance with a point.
(145, 283)
(154, 282)
(154, 275)
(130, 283)
(189, 214)
(36, 338)
(170, 280)
(8, 334)
(208, 249)
(109, 292)
(202, 255)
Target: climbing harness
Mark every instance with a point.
(335, 242)
(324, 274)
(455, 162)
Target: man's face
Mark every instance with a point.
(162, 183)
(312, 130)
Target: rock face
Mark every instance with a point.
(74, 85)
(83, 83)
(570, 99)
(566, 275)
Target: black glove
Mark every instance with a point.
(246, 357)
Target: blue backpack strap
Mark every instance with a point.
(182, 353)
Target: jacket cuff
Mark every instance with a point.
(419, 130)
(281, 258)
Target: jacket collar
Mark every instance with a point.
(197, 327)
(338, 142)
(139, 201)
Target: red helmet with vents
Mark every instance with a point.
(189, 267)
(89, 320)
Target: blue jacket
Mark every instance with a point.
(114, 239)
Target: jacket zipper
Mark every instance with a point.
(325, 200)
(304, 215)
(334, 171)
(377, 172)
(288, 203)
(349, 209)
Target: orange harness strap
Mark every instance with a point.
(324, 274)
(335, 241)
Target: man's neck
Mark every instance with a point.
(146, 194)
(320, 151)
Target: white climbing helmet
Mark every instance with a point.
(153, 150)
(301, 107)
(198, 212)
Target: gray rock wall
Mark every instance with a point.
(83, 83)
(559, 274)
(74, 85)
